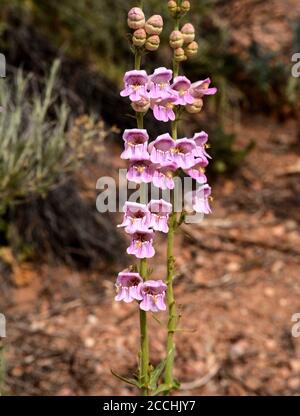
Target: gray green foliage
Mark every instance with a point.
(34, 148)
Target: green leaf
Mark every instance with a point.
(131, 381)
(155, 374)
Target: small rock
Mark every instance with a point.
(295, 365)
(89, 342)
(294, 383)
(269, 291)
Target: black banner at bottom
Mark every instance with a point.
(94, 406)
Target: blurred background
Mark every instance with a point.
(237, 281)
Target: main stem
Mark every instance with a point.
(144, 354)
(172, 313)
(144, 341)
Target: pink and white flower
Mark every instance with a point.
(128, 287)
(142, 244)
(200, 88)
(159, 83)
(160, 148)
(163, 109)
(154, 293)
(182, 86)
(140, 171)
(200, 140)
(183, 153)
(136, 217)
(201, 199)
(159, 214)
(136, 144)
(197, 171)
(163, 176)
(135, 85)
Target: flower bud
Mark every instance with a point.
(188, 32)
(176, 39)
(185, 6)
(179, 55)
(141, 106)
(154, 25)
(152, 43)
(196, 107)
(139, 37)
(172, 6)
(191, 49)
(136, 18)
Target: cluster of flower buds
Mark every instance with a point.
(156, 92)
(146, 32)
(183, 42)
(178, 10)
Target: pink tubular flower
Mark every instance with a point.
(159, 210)
(197, 171)
(163, 108)
(135, 85)
(140, 171)
(200, 88)
(183, 153)
(136, 144)
(201, 199)
(128, 287)
(163, 176)
(136, 217)
(153, 292)
(182, 86)
(141, 244)
(160, 83)
(159, 149)
(200, 140)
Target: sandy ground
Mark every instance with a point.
(237, 287)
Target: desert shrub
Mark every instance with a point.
(41, 209)
(35, 149)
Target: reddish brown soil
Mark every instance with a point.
(237, 288)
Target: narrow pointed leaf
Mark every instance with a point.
(131, 381)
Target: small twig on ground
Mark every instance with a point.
(201, 382)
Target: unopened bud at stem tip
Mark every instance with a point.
(136, 18)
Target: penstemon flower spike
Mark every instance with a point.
(167, 94)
